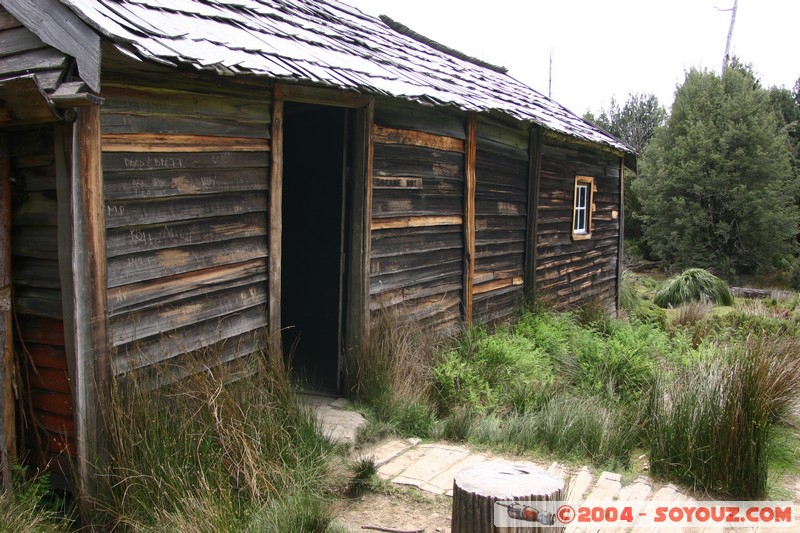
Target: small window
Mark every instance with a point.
(582, 213)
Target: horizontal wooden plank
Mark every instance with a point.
(43, 355)
(32, 61)
(133, 240)
(157, 211)
(180, 314)
(35, 272)
(166, 102)
(408, 115)
(240, 332)
(50, 379)
(45, 303)
(163, 142)
(115, 123)
(164, 183)
(415, 205)
(19, 40)
(41, 330)
(130, 161)
(7, 20)
(128, 269)
(497, 284)
(449, 259)
(164, 291)
(406, 160)
(415, 222)
(452, 284)
(57, 403)
(391, 243)
(386, 135)
(414, 277)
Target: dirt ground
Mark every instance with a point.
(404, 509)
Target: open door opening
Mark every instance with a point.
(316, 161)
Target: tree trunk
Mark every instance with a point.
(485, 495)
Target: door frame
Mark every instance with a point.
(356, 314)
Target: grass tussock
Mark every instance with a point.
(393, 376)
(216, 451)
(694, 284)
(711, 425)
(691, 313)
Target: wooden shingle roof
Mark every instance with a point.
(322, 42)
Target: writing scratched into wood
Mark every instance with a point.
(446, 170)
(153, 162)
(379, 182)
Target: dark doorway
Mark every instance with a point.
(315, 166)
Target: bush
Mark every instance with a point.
(492, 373)
(711, 425)
(694, 284)
(26, 507)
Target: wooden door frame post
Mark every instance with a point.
(276, 227)
(7, 404)
(471, 156)
(87, 296)
(534, 172)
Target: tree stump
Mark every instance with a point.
(478, 487)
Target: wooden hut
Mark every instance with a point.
(185, 174)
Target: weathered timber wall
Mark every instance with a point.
(186, 174)
(47, 426)
(501, 200)
(417, 214)
(574, 272)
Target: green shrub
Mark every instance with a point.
(710, 426)
(491, 373)
(26, 507)
(694, 284)
(649, 313)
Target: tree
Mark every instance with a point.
(716, 183)
(634, 123)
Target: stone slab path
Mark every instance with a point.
(431, 467)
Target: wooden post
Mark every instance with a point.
(477, 488)
(471, 154)
(621, 250)
(534, 171)
(358, 313)
(92, 365)
(276, 227)
(7, 422)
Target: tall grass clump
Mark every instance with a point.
(393, 375)
(26, 507)
(694, 284)
(711, 425)
(214, 451)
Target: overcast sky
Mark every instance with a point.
(605, 48)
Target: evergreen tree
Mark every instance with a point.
(716, 183)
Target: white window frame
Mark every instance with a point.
(583, 207)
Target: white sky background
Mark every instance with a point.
(605, 48)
